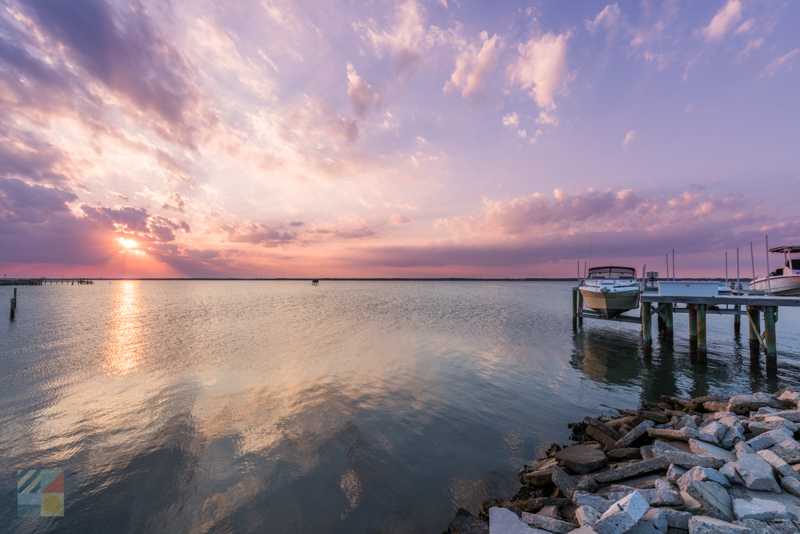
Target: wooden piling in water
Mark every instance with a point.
(575, 308)
(737, 321)
(668, 321)
(770, 316)
(14, 304)
(692, 327)
(754, 320)
(647, 323)
(702, 347)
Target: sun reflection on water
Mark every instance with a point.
(124, 336)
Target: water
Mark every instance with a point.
(351, 407)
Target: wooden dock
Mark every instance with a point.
(698, 308)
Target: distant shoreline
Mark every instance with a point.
(10, 281)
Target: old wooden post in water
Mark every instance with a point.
(692, 327)
(755, 332)
(14, 303)
(770, 316)
(702, 347)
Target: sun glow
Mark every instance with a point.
(127, 243)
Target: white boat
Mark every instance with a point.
(784, 281)
(611, 290)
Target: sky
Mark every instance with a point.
(395, 139)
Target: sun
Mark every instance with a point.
(127, 243)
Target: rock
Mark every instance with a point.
(664, 484)
(635, 435)
(599, 425)
(549, 511)
(622, 515)
(600, 504)
(466, 523)
(660, 447)
(704, 474)
(659, 463)
(643, 527)
(685, 459)
(657, 517)
(742, 449)
(563, 481)
(768, 439)
(759, 427)
(761, 509)
(599, 435)
(654, 497)
(710, 525)
(538, 478)
(790, 456)
(712, 431)
(587, 516)
(676, 519)
(756, 473)
(707, 449)
(625, 454)
(581, 459)
(792, 485)
(734, 435)
(537, 503)
(584, 530)
(684, 434)
(718, 415)
(587, 483)
(502, 521)
(781, 467)
(789, 415)
(712, 497)
(698, 402)
(716, 406)
(675, 472)
(768, 527)
(730, 472)
(547, 523)
(653, 416)
(742, 404)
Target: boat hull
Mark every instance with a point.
(610, 304)
(784, 286)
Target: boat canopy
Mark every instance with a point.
(786, 250)
(612, 272)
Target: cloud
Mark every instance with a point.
(472, 66)
(608, 17)
(399, 220)
(724, 20)
(361, 96)
(628, 139)
(542, 67)
(406, 39)
(512, 119)
(783, 62)
(260, 234)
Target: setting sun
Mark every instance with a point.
(127, 243)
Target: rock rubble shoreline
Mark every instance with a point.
(697, 466)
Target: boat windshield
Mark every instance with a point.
(612, 273)
(796, 265)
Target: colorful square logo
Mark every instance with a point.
(40, 493)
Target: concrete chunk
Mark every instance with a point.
(730, 472)
(600, 504)
(581, 459)
(743, 404)
(684, 434)
(716, 406)
(675, 472)
(781, 467)
(563, 481)
(734, 435)
(761, 509)
(790, 456)
(792, 485)
(622, 515)
(705, 474)
(742, 449)
(676, 519)
(634, 435)
(657, 518)
(658, 463)
(712, 497)
(547, 523)
(685, 459)
(653, 416)
(586, 515)
(599, 435)
(502, 521)
(712, 431)
(768, 439)
(629, 453)
(759, 427)
(707, 449)
(756, 473)
(587, 483)
(710, 525)
(654, 497)
(466, 523)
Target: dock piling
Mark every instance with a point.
(575, 308)
(702, 347)
(770, 316)
(755, 328)
(668, 321)
(647, 323)
(737, 321)
(14, 304)
(692, 327)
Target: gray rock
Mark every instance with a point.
(730, 472)
(790, 456)
(759, 427)
(789, 415)
(712, 431)
(712, 497)
(685, 459)
(710, 525)
(676, 519)
(622, 515)
(502, 521)
(600, 504)
(768, 439)
(581, 459)
(584, 530)
(634, 435)
(624, 454)
(761, 509)
(756, 473)
(644, 467)
(466, 523)
(792, 485)
(547, 523)
(654, 497)
(777, 463)
(769, 527)
(675, 472)
(643, 527)
(716, 406)
(604, 428)
(563, 481)
(704, 474)
(707, 449)
(657, 517)
(586, 515)
(587, 483)
(718, 415)
(743, 404)
(549, 511)
(742, 449)
(734, 435)
(684, 434)
(664, 484)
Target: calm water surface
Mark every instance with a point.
(352, 407)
